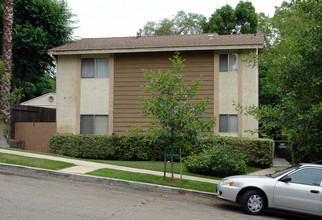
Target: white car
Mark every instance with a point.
(297, 188)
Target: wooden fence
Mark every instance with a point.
(35, 134)
(22, 113)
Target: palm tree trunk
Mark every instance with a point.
(7, 62)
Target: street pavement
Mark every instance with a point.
(25, 195)
(82, 167)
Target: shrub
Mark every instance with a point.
(116, 147)
(216, 161)
(256, 152)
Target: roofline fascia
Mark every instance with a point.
(144, 50)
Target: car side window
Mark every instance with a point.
(307, 176)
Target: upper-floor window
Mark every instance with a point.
(228, 63)
(95, 68)
(228, 123)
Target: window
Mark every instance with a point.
(228, 63)
(94, 124)
(309, 176)
(228, 123)
(95, 68)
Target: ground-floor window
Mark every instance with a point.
(94, 124)
(228, 123)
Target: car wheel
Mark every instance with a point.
(253, 202)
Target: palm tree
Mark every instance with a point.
(7, 62)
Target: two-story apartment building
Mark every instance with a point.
(99, 79)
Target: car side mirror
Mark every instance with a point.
(286, 179)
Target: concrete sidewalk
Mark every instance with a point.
(82, 167)
(278, 164)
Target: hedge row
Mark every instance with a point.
(257, 152)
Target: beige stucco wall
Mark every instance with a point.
(76, 96)
(228, 92)
(68, 94)
(250, 96)
(94, 97)
(239, 87)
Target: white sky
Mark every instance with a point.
(121, 18)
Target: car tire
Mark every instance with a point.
(253, 202)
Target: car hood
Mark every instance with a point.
(247, 177)
(262, 182)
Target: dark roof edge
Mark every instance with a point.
(156, 49)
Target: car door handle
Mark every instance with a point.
(315, 191)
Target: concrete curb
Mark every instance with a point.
(109, 181)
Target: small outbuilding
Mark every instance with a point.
(45, 101)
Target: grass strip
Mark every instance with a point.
(148, 165)
(153, 179)
(34, 162)
(155, 166)
(159, 166)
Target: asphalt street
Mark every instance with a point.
(26, 195)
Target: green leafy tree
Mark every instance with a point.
(294, 64)
(265, 26)
(222, 21)
(174, 107)
(182, 23)
(44, 84)
(246, 18)
(38, 26)
(268, 92)
(226, 20)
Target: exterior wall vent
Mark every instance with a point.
(211, 36)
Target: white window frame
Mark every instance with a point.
(83, 76)
(229, 69)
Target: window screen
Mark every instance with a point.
(223, 63)
(88, 68)
(223, 123)
(87, 124)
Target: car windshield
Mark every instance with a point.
(282, 172)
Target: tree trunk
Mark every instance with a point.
(7, 61)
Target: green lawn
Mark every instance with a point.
(33, 162)
(159, 166)
(149, 165)
(153, 179)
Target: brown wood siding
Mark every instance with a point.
(35, 135)
(129, 76)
